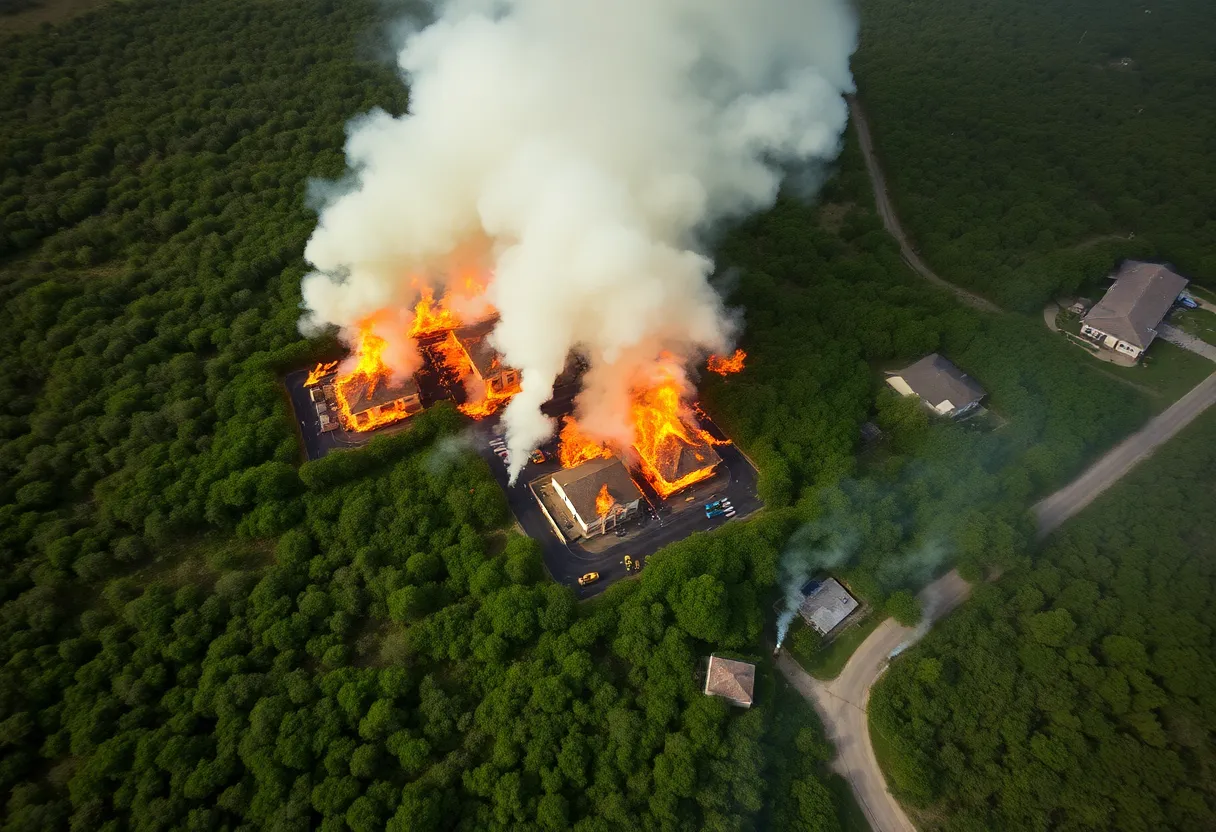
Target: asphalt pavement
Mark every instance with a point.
(667, 524)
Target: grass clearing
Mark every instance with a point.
(1198, 322)
(1167, 369)
(831, 658)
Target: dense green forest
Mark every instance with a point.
(197, 631)
(1024, 141)
(1079, 693)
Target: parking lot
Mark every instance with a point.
(657, 525)
(731, 492)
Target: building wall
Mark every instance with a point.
(1111, 342)
(595, 527)
(900, 385)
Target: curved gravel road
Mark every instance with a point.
(890, 220)
(841, 703)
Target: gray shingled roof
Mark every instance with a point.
(935, 380)
(731, 680)
(582, 484)
(1132, 308)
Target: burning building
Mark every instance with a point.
(369, 404)
(672, 454)
(467, 354)
(498, 378)
(600, 494)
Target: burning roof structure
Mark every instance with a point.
(672, 454)
(599, 494)
(467, 354)
(380, 402)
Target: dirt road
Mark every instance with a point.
(1054, 510)
(882, 201)
(841, 703)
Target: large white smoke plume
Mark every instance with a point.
(580, 150)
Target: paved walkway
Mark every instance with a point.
(1186, 340)
(882, 201)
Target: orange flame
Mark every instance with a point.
(430, 319)
(319, 372)
(662, 437)
(603, 502)
(484, 396)
(369, 373)
(575, 447)
(726, 366)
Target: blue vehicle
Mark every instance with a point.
(716, 504)
(1188, 302)
(717, 512)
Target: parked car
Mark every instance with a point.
(537, 457)
(589, 578)
(1188, 302)
(717, 512)
(716, 504)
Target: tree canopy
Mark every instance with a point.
(1077, 692)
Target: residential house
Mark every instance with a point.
(1127, 317)
(943, 387)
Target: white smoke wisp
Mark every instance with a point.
(590, 146)
(807, 553)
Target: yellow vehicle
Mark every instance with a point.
(589, 578)
(628, 563)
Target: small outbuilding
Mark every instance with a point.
(733, 681)
(943, 387)
(825, 604)
(1127, 317)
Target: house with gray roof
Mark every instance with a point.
(943, 387)
(825, 604)
(599, 494)
(1127, 317)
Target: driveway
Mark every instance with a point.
(1186, 340)
(842, 702)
